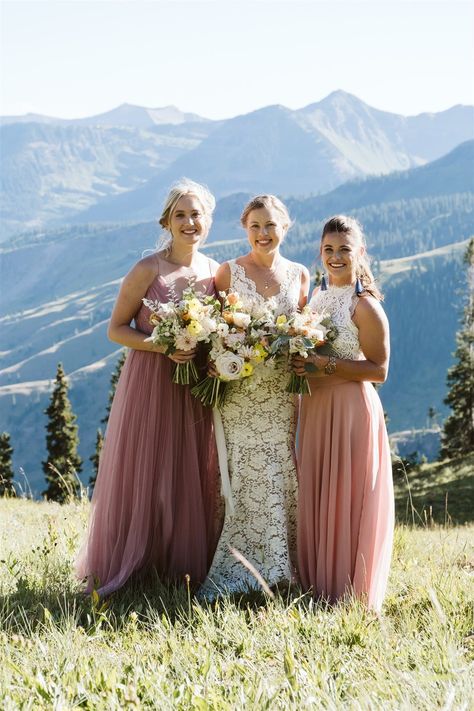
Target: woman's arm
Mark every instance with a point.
(222, 277)
(133, 289)
(304, 288)
(374, 341)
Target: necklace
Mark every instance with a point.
(269, 280)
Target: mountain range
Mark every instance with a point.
(58, 287)
(79, 200)
(116, 167)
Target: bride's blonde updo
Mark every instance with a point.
(351, 226)
(182, 187)
(268, 202)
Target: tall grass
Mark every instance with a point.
(153, 646)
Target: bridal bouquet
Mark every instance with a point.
(181, 324)
(241, 341)
(301, 333)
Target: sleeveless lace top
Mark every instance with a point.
(286, 301)
(340, 303)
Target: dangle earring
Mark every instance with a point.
(324, 286)
(359, 289)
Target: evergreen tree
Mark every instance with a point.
(61, 443)
(458, 430)
(432, 415)
(99, 443)
(6, 469)
(113, 384)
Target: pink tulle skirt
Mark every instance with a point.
(155, 502)
(346, 506)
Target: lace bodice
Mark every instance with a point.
(340, 302)
(286, 301)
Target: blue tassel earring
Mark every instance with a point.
(324, 286)
(359, 289)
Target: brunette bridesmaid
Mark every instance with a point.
(345, 507)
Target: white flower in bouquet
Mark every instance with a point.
(185, 342)
(234, 340)
(298, 345)
(222, 329)
(241, 320)
(209, 325)
(229, 365)
(246, 352)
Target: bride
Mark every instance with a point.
(259, 418)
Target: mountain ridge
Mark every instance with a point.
(58, 174)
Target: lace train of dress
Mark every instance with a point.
(259, 419)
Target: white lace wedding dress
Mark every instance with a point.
(259, 419)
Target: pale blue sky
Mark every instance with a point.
(221, 58)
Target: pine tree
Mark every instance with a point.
(6, 469)
(458, 430)
(99, 443)
(63, 460)
(113, 384)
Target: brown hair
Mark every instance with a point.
(267, 201)
(349, 225)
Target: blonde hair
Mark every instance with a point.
(267, 201)
(182, 187)
(349, 225)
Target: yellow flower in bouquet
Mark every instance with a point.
(247, 369)
(281, 320)
(194, 328)
(194, 308)
(259, 353)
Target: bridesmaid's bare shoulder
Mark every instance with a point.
(370, 311)
(214, 266)
(144, 271)
(222, 277)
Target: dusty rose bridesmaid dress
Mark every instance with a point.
(345, 506)
(155, 500)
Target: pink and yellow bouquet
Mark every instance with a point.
(300, 334)
(182, 324)
(240, 342)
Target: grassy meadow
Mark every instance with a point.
(150, 646)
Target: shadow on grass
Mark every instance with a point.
(143, 599)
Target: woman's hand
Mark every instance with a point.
(298, 364)
(211, 370)
(182, 356)
(316, 364)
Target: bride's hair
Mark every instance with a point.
(185, 186)
(349, 225)
(267, 201)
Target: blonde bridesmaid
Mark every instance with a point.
(155, 500)
(345, 506)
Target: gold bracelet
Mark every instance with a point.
(331, 365)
